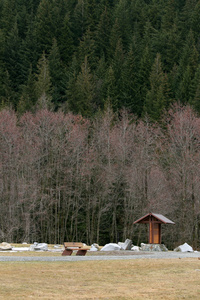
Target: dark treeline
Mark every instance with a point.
(65, 177)
(83, 55)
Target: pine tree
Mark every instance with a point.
(65, 41)
(7, 93)
(81, 96)
(187, 67)
(28, 96)
(185, 86)
(110, 97)
(195, 91)
(122, 14)
(102, 34)
(45, 25)
(100, 86)
(195, 20)
(144, 69)
(157, 98)
(79, 20)
(169, 16)
(115, 36)
(13, 62)
(129, 76)
(186, 17)
(87, 49)
(43, 84)
(118, 66)
(29, 52)
(8, 16)
(57, 74)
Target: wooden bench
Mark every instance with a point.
(71, 246)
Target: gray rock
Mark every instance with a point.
(153, 247)
(127, 245)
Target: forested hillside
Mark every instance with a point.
(99, 119)
(79, 55)
(63, 177)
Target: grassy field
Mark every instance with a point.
(122, 279)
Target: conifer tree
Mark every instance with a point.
(8, 16)
(7, 93)
(100, 77)
(28, 96)
(122, 14)
(102, 34)
(65, 41)
(43, 84)
(195, 91)
(13, 63)
(44, 27)
(79, 24)
(87, 49)
(57, 75)
(118, 66)
(195, 20)
(29, 52)
(144, 70)
(129, 83)
(187, 67)
(110, 98)
(81, 96)
(157, 98)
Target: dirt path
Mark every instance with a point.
(113, 255)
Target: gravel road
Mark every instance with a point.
(116, 256)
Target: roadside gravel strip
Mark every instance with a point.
(146, 255)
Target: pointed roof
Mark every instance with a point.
(159, 217)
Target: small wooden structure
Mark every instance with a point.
(154, 221)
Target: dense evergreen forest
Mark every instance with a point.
(91, 135)
(79, 55)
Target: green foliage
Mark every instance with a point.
(43, 84)
(157, 98)
(57, 75)
(82, 92)
(125, 35)
(28, 96)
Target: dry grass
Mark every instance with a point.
(122, 279)
(30, 253)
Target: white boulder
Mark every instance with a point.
(5, 246)
(184, 248)
(38, 247)
(93, 248)
(41, 247)
(111, 247)
(135, 248)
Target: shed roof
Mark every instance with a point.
(159, 217)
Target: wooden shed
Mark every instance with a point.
(154, 221)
